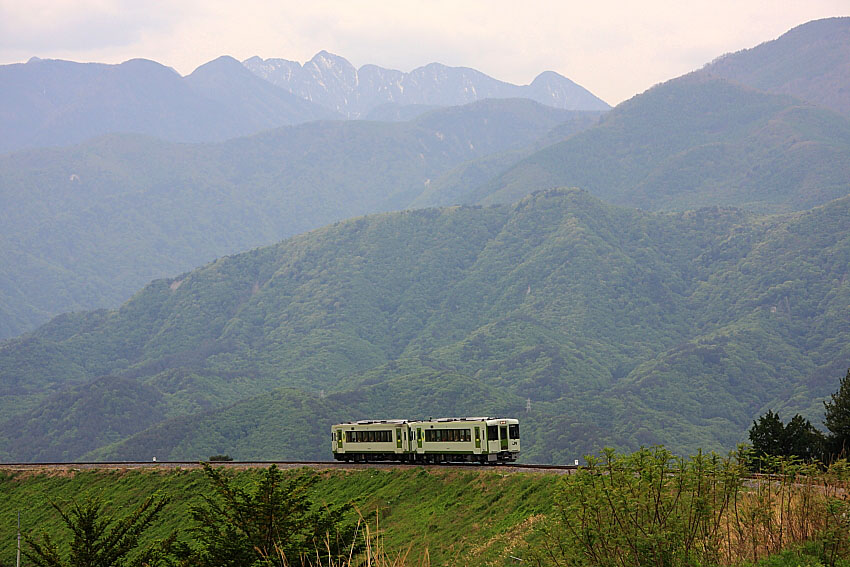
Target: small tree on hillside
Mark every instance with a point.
(273, 524)
(770, 438)
(837, 418)
(100, 541)
(768, 435)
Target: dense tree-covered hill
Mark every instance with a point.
(691, 142)
(55, 103)
(810, 62)
(622, 327)
(85, 226)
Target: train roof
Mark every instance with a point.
(375, 421)
(438, 420)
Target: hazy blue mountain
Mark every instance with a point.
(810, 62)
(622, 327)
(330, 80)
(85, 226)
(694, 141)
(55, 103)
(392, 112)
(256, 104)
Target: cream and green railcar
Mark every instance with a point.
(371, 440)
(464, 439)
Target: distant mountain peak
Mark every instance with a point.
(225, 62)
(332, 81)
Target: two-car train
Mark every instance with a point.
(451, 439)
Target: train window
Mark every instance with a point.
(384, 436)
(492, 433)
(513, 431)
(448, 435)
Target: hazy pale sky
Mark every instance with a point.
(616, 49)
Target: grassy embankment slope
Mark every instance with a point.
(460, 517)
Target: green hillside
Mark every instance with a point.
(86, 226)
(621, 327)
(810, 62)
(468, 516)
(692, 142)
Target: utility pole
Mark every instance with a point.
(18, 563)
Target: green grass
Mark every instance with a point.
(461, 517)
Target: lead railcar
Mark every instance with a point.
(450, 439)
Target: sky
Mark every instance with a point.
(615, 49)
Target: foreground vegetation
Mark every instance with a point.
(447, 517)
(653, 508)
(645, 508)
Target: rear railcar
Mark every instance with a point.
(371, 440)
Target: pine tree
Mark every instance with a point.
(273, 524)
(799, 438)
(837, 419)
(98, 540)
(768, 435)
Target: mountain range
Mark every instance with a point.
(333, 82)
(697, 278)
(86, 226)
(621, 327)
(57, 103)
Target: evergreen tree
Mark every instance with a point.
(768, 435)
(799, 438)
(99, 541)
(837, 418)
(802, 440)
(274, 524)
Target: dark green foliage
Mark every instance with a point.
(219, 458)
(275, 523)
(837, 418)
(624, 328)
(97, 541)
(767, 435)
(771, 438)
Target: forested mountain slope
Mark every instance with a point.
(85, 226)
(810, 62)
(622, 327)
(691, 142)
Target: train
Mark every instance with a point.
(484, 440)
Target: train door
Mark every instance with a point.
(419, 437)
(503, 435)
(477, 437)
(339, 435)
(398, 438)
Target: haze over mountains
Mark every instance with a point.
(623, 327)
(333, 82)
(810, 62)
(86, 226)
(55, 103)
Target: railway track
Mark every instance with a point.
(165, 465)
